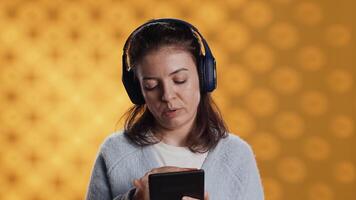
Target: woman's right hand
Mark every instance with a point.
(141, 184)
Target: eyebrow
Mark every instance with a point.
(172, 73)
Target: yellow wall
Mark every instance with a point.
(286, 84)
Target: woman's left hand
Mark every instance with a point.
(206, 197)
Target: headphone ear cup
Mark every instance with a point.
(210, 73)
(131, 84)
(201, 73)
(207, 74)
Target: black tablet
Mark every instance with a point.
(175, 185)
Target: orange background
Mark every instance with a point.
(286, 73)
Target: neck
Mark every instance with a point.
(175, 137)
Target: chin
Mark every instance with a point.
(174, 123)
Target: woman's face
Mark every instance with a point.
(170, 86)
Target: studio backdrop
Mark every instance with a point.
(286, 84)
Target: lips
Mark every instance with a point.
(171, 112)
(168, 110)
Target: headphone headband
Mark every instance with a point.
(205, 45)
(206, 63)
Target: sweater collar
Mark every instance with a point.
(210, 160)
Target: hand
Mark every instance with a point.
(206, 197)
(142, 191)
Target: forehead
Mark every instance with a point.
(165, 60)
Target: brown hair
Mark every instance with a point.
(209, 126)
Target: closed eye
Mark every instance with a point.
(150, 87)
(180, 82)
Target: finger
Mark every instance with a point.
(188, 198)
(206, 196)
(178, 168)
(171, 169)
(149, 172)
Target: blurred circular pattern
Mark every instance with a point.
(259, 58)
(10, 35)
(314, 103)
(342, 126)
(238, 37)
(316, 148)
(261, 102)
(283, 1)
(235, 4)
(238, 80)
(32, 13)
(340, 81)
(208, 10)
(73, 14)
(266, 146)
(272, 189)
(344, 172)
(286, 80)
(320, 191)
(242, 122)
(285, 84)
(292, 169)
(257, 14)
(289, 125)
(338, 35)
(311, 58)
(283, 35)
(308, 13)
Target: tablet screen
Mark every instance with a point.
(175, 185)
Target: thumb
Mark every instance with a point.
(206, 196)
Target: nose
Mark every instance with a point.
(167, 93)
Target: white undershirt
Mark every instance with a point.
(169, 155)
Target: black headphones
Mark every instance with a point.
(206, 64)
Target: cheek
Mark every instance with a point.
(152, 102)
(192, 94)
(197, 99)
(149, 96)
(153, 109)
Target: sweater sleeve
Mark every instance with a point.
(99, 186)
(253, 189)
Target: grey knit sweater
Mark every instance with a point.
(230, 169)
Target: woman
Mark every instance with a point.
(168, 73)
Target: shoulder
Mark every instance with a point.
(240, 161)
(116, 147)
(234, 149)
(233, 142)
(114, 140)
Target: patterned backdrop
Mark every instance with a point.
(286, 73)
